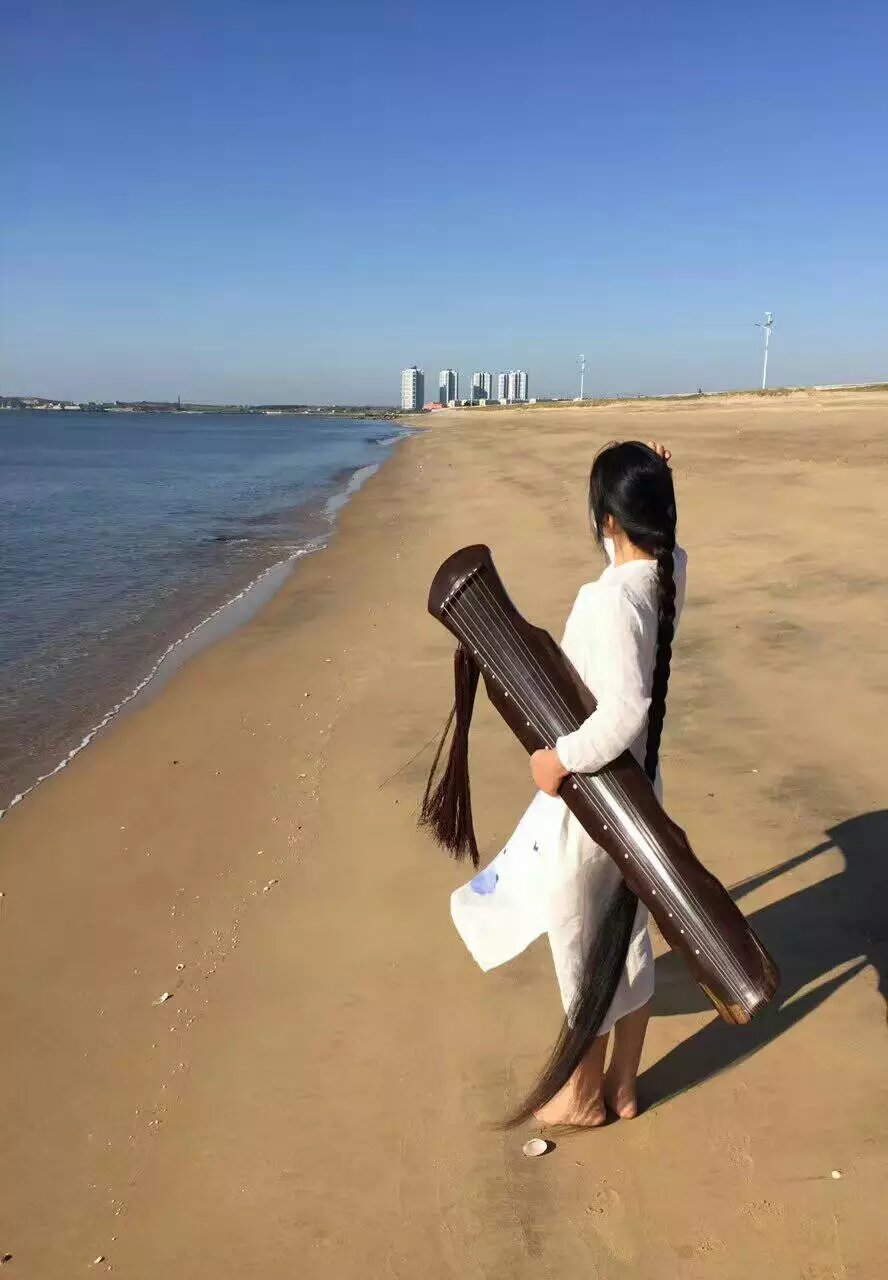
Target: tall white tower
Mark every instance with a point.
(482, 386)
(767, 326)
(412, 389)
(448, 386)
(516, 385)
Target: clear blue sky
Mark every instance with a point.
(291, 200)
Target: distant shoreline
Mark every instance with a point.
(416, 417)
(36, 404)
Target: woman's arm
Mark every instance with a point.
(623, 703)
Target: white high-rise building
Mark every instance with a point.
(516, 385)
(512, 386)
(448, 386)
(412, 389)
(482, 386)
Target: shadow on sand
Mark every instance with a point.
(839, 923)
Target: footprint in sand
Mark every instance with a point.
(707, 1245)
(740, 1154)
(608, 1216)
(764, 1213)
(737, 1148)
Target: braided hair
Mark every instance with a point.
(663, 661)
(632, 484)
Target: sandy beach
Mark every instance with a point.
(314, 1097)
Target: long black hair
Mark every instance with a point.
(632, 484)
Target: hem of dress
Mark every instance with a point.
(609, 1023)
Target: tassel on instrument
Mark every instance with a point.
(447, 804)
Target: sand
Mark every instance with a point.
(314, 1099)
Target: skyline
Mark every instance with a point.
(507, 386)
(41, 402)
(207, 205)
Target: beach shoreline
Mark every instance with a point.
(240, 1035)
(244, 598)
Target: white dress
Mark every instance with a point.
(551, 877)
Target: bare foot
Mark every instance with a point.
(580, 1101)
(588, 1113)
(621, 1098)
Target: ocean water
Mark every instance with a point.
(120, 533)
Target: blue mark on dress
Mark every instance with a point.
(536, 847)
(485, 881)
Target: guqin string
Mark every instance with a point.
(499, 646)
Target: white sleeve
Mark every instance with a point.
(622, 701)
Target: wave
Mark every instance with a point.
(260, 588)
(163, 662)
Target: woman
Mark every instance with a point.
(551, 877)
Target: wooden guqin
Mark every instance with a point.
(540, 696)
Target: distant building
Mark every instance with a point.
(448, 386)
(482, 386)
(516, 386)
(412, 389)
(511, 387)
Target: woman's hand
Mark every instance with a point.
(547, 771)
(660, 450)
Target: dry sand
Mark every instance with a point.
(313, 1099)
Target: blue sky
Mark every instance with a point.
(283, 200)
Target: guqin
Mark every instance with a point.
(540, 696)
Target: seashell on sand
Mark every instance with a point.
(535, 1147)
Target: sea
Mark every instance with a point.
(128, 540)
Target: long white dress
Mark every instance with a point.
(551, 877)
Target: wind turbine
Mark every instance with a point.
(767, 326)
(582, 363)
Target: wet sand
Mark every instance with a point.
(313, 1100)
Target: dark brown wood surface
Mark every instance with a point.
(540, 696)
